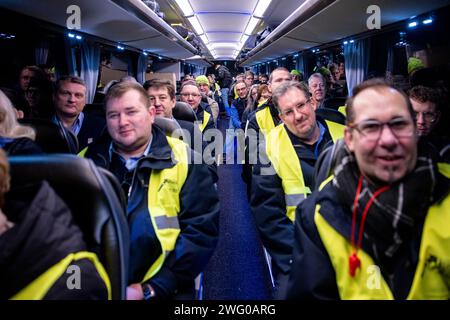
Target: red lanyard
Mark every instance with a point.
(354, 262)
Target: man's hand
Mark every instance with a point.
(134, 292)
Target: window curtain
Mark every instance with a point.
(356, 57)
(141, 68)
(69, 49)
(300, 64)
(41, 53)
(90, 63)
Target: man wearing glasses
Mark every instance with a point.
(377, 228)
(285, 178)
(425, 102)
(190, 93)
(318, 88)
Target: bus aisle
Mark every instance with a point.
(237, 270)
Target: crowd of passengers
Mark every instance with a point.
(354, 209)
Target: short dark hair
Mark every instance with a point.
(160, 84)
(119, 89)
(285, 87)
(71, 79)
(376, 83)
(424, 94)
(277, 69)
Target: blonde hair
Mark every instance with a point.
(9, 127)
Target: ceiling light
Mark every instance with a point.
(216, 45)
(412, 24)
(244, 38)
(204, 38)
(196, 24)
(186, 7)
(261, 8)
(251, 25)
(427, 21)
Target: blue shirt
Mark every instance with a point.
(131, 163)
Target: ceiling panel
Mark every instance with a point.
(224, 22)
(224, 36)
(223, 6)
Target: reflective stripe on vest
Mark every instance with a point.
(37, 289)
(164, 202)
(82, 153)
(432, 276)
(206, 117)
(265, 120)
(336, 130)
(284, 159)
(343, 110)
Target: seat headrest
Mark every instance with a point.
(183, 111)
(334, 103)
(51, 137)
(167, 125)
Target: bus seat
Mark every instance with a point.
(96, 202)
(95, 109)
(334, 103)
(331, 115)
(51, 137)
(183, 111)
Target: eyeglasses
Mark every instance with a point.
(427, 116)
(371, 129)
(193, 95)
(299, 108)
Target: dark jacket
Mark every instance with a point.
(223, 77)
(312, 274)
(269, 206)
(19, 146)
(43, 235)
(92, 128)
(198, 217)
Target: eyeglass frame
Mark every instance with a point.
(380, 129)
(297, 108)
(194, 95)
(424, 114)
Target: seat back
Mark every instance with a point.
(334, 103)
(52, 137)
(331, 115)
(183, 111)
(97, 204)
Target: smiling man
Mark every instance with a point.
(386, 200)
(292, 149)
(318, 88)
(173, 207)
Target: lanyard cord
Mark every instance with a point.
(354, 261)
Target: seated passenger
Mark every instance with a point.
(70, 99)
(378, 228)
(318, 88)
(173, 207)
(207, 95)
(15, 139)
(190, 94)
(42, 252)
(426, 102)
(285, 178)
